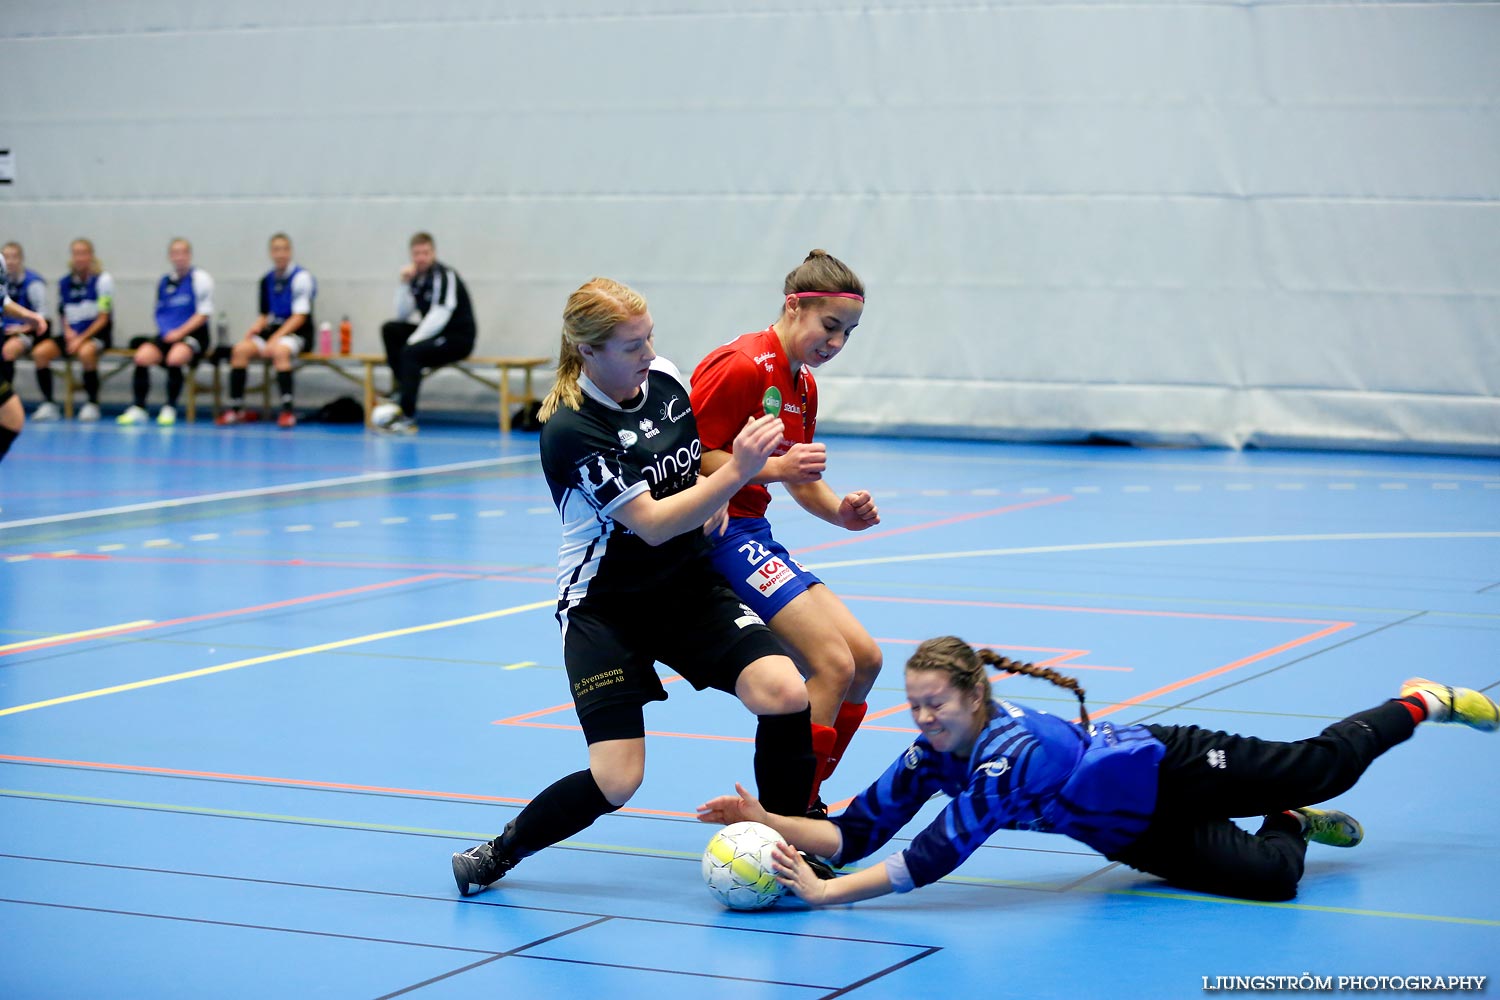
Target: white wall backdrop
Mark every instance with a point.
(1209, 222)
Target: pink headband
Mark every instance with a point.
(828, 295)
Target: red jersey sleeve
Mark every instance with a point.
(726, 392)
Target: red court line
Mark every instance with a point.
(299, 782)
(1093, 611)
(862, 536)
(1226, 668)
(49, 643)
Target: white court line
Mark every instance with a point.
(261, 491)
(1196, 469)
(76, 635)
(492, 513)
(207, 536)
(1160, 543)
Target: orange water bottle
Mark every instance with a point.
(346, 336)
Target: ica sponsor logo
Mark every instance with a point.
(770, 576)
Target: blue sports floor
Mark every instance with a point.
(256, 686)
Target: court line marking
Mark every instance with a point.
(450, 568)
(1141, 467)
(88, 633)
(1226, 668)
(322, 647)
(1159, 543)
(336, 786)
(490, 901)
(149, 626)
(1085, 609)
(694, 856)
(495, 957)
(260, 491)
(957, 519)
(252, 927)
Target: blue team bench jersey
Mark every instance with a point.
(1028, 771)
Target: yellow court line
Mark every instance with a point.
(75, 635)
(688, 855)
(288, 654)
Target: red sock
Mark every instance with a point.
(1415, 704)
(823, 740)
(846, 724)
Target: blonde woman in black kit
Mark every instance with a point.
(634, 582)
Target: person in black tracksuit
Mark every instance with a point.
(434, 295)
(620, 451)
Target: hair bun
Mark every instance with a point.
(811, 254)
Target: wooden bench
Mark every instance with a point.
(117, 359)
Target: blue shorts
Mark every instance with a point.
(758, 567)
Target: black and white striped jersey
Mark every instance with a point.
(441, 298)
(602, 456)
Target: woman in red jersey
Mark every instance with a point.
(771, 372)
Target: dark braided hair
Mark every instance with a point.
(1010, 666)
(965, 667)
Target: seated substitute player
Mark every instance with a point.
(86, 302)
(634, 584)
(771, 372)
(1157, 798)
(28, 290)
(12, 415)
(282, 330)
(184, 302)
(434, 326)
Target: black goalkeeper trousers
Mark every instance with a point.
(1207, 777)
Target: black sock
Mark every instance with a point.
(784, 762)
(174, 384)
(141, 384)
(91, 386)
(284, 383)
(237, 388)
(44, 381)
(6, 437)
(563, 808)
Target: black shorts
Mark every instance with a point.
(105, 336)
(197, 340)
(698, 628)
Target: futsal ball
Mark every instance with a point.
(738, 869)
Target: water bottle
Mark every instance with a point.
(325, 339)
(221, 329)
(346, 336)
